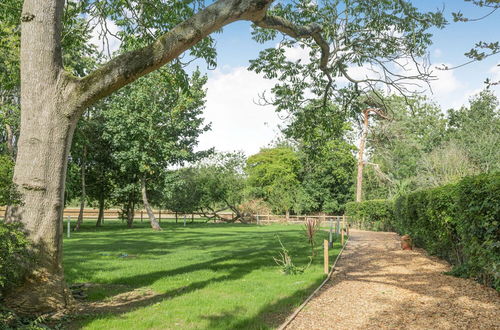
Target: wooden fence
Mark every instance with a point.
(90, 213)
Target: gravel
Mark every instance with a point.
(379, 286)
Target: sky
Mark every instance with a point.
(238, 123)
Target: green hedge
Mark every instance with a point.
(373, 214)
(458, 222)
(15, 257)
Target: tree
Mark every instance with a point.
(53, 98)
(476, 130)
(322, 136)
(155, 123)
(397, 146)
(181, 191)
(220, 183)
(273, 174)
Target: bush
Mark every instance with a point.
(373, 214)
(459, 223)
(15, 256)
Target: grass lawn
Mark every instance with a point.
(202, 276)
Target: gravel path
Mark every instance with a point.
(378, 285)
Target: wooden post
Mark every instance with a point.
(184, 220)
(258, 221)
(142, 214)
(342, 229)
(69, 226)
(330, 238)
(325, 256)
(159, 216)
(337, 227)
(192, 217)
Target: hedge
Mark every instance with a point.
(458, 222)
(372, 214)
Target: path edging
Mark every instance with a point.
(297, 311)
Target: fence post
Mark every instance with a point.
(342, 229)
(184, 220)
(330, 238)
(337, 227)
(69, 226)
(141, 215)
(325, 256)
(159, 215)
(258, 221)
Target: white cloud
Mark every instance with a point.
(446, 82)
(298, 53)
(495, 72)
(110, 42)
(237, 122)
(437, 53)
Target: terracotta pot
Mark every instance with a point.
(406, 242)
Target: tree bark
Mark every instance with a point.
(43, 148)
(154, 223)
(83, 196)
(361, 163)
(130, 213)
(362, 143)
(100, 216)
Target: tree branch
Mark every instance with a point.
(128, 67)
(312, 30)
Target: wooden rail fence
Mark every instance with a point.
(90, 213)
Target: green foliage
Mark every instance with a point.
(6, 186)
(372, 214)
(273, 174)
(181, 191)
(458, 222)
(420, 148)
(220, 183)
(397, 146)
(476, 129)
(15, 256)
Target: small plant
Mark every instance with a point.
(286, 264)
(310, 228)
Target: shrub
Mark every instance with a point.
(372, 214)
(15, 256)
(459, 223)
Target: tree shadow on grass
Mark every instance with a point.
(268, 317)
(235, 259)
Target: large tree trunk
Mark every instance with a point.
(83, 196)
(154, 223)
(43, 147)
